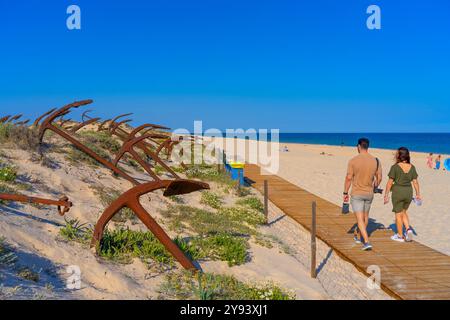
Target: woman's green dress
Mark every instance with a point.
(402, 191)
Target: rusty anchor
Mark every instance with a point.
(131, 198)
(102, 125)
(169, 144)
(78, 127)
(121, 116)
(145, 128)
(4, 119)
(84, 116)
(114, 128)
(47, 124)
(10, 119)
(130, 140)
(63, 122)
(62, 204)
(38, 119)
(22, 123)
(16, 117)
(13, 120)
(85, 121)
(128, 147)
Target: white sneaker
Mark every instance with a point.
(409, 235)
(397, 238)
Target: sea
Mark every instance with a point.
(438, 143)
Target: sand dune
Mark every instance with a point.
(33, 234)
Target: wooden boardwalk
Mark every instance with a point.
(408, 270)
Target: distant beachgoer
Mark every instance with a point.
(364, 175)
(285, 149)
(437, 162)
(430, 161)
(402, 177)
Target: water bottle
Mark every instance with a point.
(418, 202)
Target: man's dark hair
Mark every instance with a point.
(363, 143)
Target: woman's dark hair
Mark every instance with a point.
(403, 155)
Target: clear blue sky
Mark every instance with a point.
(294, 65)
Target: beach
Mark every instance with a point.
(321, 169)
(33, 235)
(280, 254)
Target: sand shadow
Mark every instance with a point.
(13, 210)
(249, 182)
(31, 275)
(371, 228)
(393, 227)
(276, 220)
(35, 185)
(324, 262)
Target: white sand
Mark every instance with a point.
(33, 234)
(323, 175)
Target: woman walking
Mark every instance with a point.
(402, 178)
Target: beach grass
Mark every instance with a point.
(107, 196)
(209, 173)
(182, 218)
(7, 256)
(24, 137)
(28, 274)
(223, 247)
(7, 173)
(101, 139)
(219, 234)
(122, 245)
(211, 199)
(251, 202)
(209, 286)
(76, 231)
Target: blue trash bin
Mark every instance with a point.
(236, 170)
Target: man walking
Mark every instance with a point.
(364, 175)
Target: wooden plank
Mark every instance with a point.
(409, 270)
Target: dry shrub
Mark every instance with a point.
(24, 137)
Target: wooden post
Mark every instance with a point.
(266, 200)
(313, 241)
(239, 180)
(224, 158)
(218, 160)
